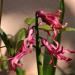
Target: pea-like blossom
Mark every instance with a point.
(25, 49)
(56, 50)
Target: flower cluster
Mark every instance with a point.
(25, 49)
(52, 19)
(54, 49)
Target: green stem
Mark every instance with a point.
(62, 8)
(38, 49)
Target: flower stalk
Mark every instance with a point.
(38, 49)
(62, 8)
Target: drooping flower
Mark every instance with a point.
(25, 49)
(51, 19)
(15, 61)
(56, 50)
(29, 41)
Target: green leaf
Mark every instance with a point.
(48, 28)
(68, 29)
(30, 21)
(12, 41)
(45, 27)
(20, 71)
(19, 37)
(47, 68)
(6, 41)
(12, 51)
(4, 65)
(45, 63)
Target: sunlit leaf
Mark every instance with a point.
(45, 27)
(48, 28)
(29, 21)
(19, 37)
(20, 71)
(47, 68)
(68, 29)
(4, 65)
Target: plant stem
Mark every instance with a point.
(62, 8)
(38, 49)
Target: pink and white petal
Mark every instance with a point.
(62, 57)
(55, 33)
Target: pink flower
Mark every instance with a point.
(30, 36)
(25, 49)
(15, 61)
(56, 50)
(51, 19)
(29, 41)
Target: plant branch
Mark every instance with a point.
(38, 49)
